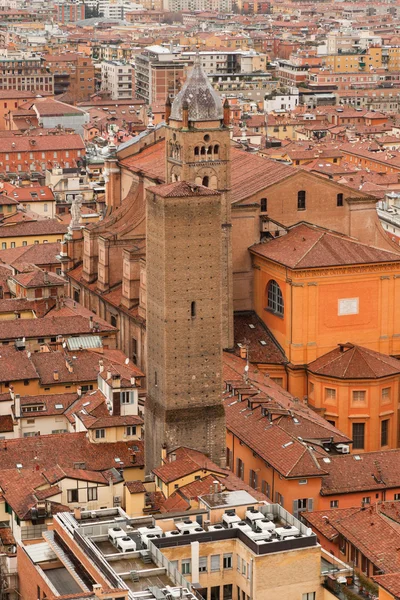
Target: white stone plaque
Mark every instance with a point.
(347, 306)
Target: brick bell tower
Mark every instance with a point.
(198, 150)
(188, 278)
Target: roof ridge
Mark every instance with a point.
(353, 350)
(312, 246)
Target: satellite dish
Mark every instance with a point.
(127, 361)
(64, 344)
(308, 531)
(246, 368)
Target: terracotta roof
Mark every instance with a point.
(16, 304)
(307, 246)
(54, 108)
(348, 361)
(6, 424)
(135, 487)
(36, 254)
(66, 450)
(6, 536)
(187, 461)
(54, 404)
(38, 278)
(15, 365)
(390, 583)
(370, 471)
(116, 421)
(247, 326)
(31, 228)
(29, 194)
(250, 173)
(49, 326)
(182, 189)
(376, 537)
(274, 434)
(85, 366)
(42, 143)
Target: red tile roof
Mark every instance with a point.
(182, 189)
(6, 424)
(258, 353)
(135, 487)
(50, 326)
(250, 173)
(42, 143)
(354, 362)
(390, 583)
(307, 246)
(38, 278)
(370, 471)
(274, 436)
(375, 536)
(65, 450)
(32, 228)
(15, 365)
(187, 461)
(36, 254)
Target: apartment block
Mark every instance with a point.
(159, 73)
(231, 548)
(116, 79)
(25, 72)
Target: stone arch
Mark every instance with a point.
(210, 174)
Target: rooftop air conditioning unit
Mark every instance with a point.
(343, 448)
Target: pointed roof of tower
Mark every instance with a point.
(203, 102)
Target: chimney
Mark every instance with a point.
(17, 406)
(77, 513)
(45, 277)
(227, 113)
(185, 114)
(164, 453)
(11, 390)
(91, 322)
(133, 381)
(108, 374)
(55, 375)
(167, 109)
(101, 365)
(69, 365)
(98, 590)
(79, 391)
(216, 486)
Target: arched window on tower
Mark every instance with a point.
(209, 150)
(196, 151)
(205, 181)
(274, 298)
(216, 149)
(203, 150)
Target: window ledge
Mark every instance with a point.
(273, 312)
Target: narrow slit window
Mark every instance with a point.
(193, 309)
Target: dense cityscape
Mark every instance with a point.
(199, 300)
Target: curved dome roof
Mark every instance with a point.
(203, 102)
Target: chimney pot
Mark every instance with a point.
(55, 375)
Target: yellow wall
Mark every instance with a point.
(18, 241)
(134, 503)
(350, 63)
(270, 571)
